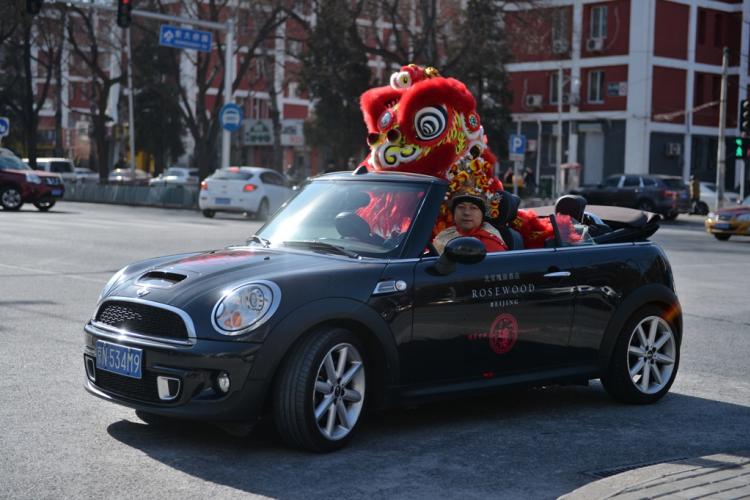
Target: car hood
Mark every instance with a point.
(734, 211)
(194, 283)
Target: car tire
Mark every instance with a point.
(645, 359)
(318, 398)
(722, 237)
(646, 205)
(43, 206)
(262, 212)
(701, 208)
(209, 213)
(10, 198)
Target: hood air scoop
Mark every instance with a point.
(160, 279)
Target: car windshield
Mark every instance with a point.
(12, 163)
(674, 182)
(350, 218)
(232, 174)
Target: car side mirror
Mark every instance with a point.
(464, 250)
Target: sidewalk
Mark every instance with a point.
(722, 476)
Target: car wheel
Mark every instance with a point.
(320, 393)
(10, 198)
(45, 205)
(722, 237)
(262, 213)
(701, 208)
(645, 359)
(209, 213)
(646, 205)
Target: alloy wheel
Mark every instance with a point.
(339, 391)
(651, 355)
(11, 198)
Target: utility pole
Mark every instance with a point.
(131, 111)
(721, 161)
(226, 135)
(516, 163)
(558, 170)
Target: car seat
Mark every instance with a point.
(508, 208)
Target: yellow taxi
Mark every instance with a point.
(727, 222)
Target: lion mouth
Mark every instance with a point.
(392, 154)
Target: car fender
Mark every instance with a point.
(347, 312)
(653, 293)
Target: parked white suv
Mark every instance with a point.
(61, 166)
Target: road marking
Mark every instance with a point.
(67, 275)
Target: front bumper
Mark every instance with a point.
(194, 366)
(733, 226)
(37, 192)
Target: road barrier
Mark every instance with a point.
(177, 196)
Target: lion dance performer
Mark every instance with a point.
(428, 124)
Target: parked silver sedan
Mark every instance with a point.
(254, 190)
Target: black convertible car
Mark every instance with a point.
(315, 319)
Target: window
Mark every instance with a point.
(596, 86)
(560, 30)
(631, 181)
(271, 178)
(718, 31)
(599, 21)
(61, 167)
(613, 181)
(701, 26)
(553, 88)
(648, 182)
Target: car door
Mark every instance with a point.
(605, 193)
(628, 194)
(509, 313)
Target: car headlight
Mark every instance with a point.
(743, 217)
(111, 283)
(33, 178)
(246, 307)
(711, 215)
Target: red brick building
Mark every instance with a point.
(639, 77)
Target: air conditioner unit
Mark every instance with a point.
(559, 46)
(534, 101)
(595, 44)
(673, 149)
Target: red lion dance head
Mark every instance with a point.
(428, 124)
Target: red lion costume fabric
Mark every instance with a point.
(428, 124)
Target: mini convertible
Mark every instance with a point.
(315, 319)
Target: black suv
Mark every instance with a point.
(663, 194)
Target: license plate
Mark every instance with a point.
(222, 201)
(56, 192)
(118, 359)
(722, 226)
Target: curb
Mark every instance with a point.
(726, 475)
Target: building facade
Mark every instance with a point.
(640, 86)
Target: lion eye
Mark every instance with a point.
(430, 122)
(400, 80)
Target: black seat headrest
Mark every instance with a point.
(572, 205)
(508, 208)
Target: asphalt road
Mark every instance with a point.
(57, 441)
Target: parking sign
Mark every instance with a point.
(517, 147)
(4, 126)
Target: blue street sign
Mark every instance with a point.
(517, 145)
(230, 117)
(4, 126)
(185, 38)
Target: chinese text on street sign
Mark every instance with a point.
(185, 38)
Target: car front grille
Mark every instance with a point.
(143, 389)
(142, 319)
(52, 181)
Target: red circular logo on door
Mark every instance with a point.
(503, 333)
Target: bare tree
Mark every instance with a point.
(94, 46)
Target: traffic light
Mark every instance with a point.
(123, 13)
(745, 118)
(741, 148)
(33, 6)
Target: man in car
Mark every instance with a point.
(468, 216)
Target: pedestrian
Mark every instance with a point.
(695, 189)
